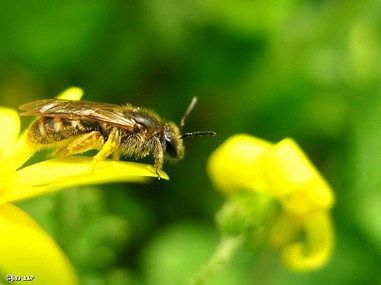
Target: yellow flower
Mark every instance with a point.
(282, 173)
(25, 249)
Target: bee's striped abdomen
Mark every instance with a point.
(49, 130)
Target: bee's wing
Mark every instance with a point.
(101, 112)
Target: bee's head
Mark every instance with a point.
(172, 142)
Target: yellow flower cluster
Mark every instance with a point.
(302, 227)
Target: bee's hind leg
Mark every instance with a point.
(80, 144)
(116, 155)
(109, 147)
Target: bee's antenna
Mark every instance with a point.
(182, 122)
(190, 108)
(198, 134)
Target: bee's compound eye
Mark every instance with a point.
(170, 149)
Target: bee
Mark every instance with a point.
(74, 127)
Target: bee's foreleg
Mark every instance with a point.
(80, 144)
(109, 147)
(159, 157)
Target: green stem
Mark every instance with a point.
(223, 253)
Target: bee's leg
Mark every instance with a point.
(116, 155)
(159, 157)
(109, 147)
(80, 144)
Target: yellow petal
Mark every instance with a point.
(284, 229)
(315, 251)
(10, 128)
(26, 250)
(59, 173)
(233, 165)
(293, 179)
(17, 155)
(72, 93)
(13, 151)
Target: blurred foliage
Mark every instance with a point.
(309, 70)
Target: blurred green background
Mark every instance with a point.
(303, 69)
